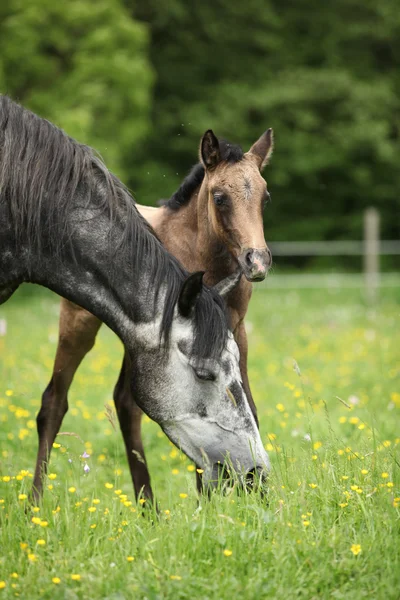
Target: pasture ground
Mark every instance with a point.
(331, 528)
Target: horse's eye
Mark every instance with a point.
(204, 375)
(219, 199)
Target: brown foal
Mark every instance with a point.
(212, 223)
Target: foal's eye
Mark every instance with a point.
(219, 199)
(204, 375)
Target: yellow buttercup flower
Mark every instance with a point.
(227, 552)
(56, 580)
(355, 549)
(75, 577)
(130, 558)
(183, 495)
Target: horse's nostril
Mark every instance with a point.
(256, 478)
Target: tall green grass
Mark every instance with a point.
(325, 373)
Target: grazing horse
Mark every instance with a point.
(213, 222)
(68, 224)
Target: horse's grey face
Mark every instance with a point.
(213, 422)
(200, 404)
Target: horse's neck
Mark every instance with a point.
(98, 275)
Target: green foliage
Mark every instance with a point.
(324, 75)
(83, 65)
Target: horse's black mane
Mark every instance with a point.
(231, 153)
(42, 170)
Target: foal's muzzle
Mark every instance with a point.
(255, 263)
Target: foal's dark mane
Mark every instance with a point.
(43, 171)
(231, 153)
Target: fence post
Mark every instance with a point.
(371, 254)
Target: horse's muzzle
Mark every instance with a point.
(255, 263)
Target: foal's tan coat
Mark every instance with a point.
(204, 237)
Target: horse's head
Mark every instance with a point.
(237, 194)
(196, 395)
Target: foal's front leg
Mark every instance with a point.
(241, 340)
(130, 417)
(78, 330)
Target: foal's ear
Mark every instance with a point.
(190, 291)
(263, 148)
(210, 154)
(227, 284)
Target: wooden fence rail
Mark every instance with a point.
(370, 248)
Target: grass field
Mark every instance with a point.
(331, 527)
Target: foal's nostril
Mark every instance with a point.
(249, 258)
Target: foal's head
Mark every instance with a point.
(237, 194)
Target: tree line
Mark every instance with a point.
(141, 82)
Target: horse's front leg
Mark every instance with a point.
(77, 334)
(130, 418)
(241, 340)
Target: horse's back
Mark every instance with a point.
(152, 215)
